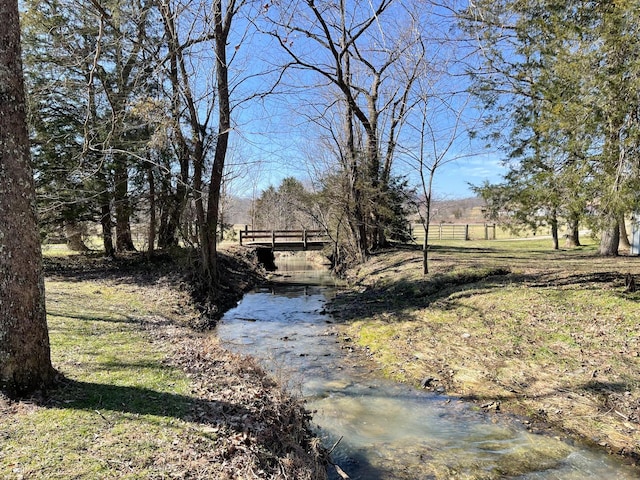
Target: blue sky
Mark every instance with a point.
(273, 137)
(280, 154)
(454, 178)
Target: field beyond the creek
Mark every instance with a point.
(512, 325)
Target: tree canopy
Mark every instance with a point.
(135, 107)
(562, 80)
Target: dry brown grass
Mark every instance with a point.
(549, 334)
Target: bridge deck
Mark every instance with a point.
(284, 240)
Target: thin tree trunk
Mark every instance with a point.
(425, 248)
(25, 360)
(151, 238)
(554, 231)
(105, 216)
(124, 240)
(178, 201)
(104, 195)
(169, 215)
(221, 29)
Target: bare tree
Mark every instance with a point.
(439, 124)
(198, 38)
(358, 51)
(25, 363)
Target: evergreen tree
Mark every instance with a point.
(565, 76)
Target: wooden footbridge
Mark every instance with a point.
(285, 240)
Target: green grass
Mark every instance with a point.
(119, 410)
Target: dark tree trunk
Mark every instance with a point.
(124, 241)
(151, 238)
(107, 230)
(425, 249)
(167, 232)
(554, 231)
(105, 216)
(209, 233)
(25, 361)
(176, 202)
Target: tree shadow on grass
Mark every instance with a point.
(104, 398)
(98, 317)
(416, 294)
(138, 268)
(176, 268)
(272, 433)
(444, 290)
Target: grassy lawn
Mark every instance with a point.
(550, 334)
(142, 396)
(120, 408)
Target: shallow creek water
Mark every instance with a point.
(388, 430)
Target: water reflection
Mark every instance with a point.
(390, 431)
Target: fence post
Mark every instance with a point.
(466, 232)
(273, 239)
(304, 239)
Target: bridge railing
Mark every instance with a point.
(275, 237)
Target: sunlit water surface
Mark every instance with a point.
(387, 430)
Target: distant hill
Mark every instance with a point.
(238, 211)
(461, 211)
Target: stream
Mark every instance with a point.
(387, 430)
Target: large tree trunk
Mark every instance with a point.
(610, 239)
(624, 237)
(25, 361)
(73, 235)
(573, 235)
